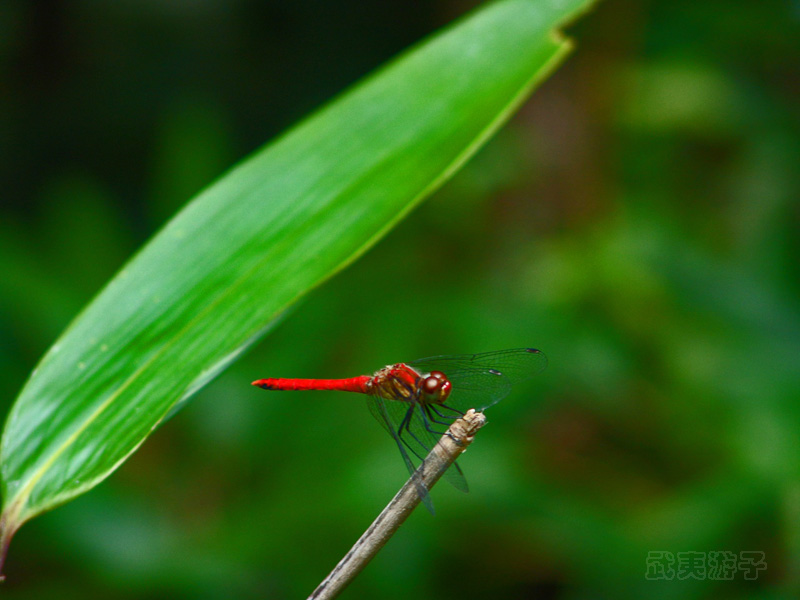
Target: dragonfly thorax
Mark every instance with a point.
(405, 384)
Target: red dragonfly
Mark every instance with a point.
(410, 399)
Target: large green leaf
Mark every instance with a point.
(224, 269)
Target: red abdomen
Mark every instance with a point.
(353, 384)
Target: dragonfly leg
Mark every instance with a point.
(427, 414)
(447, 417)
(455, 410)
(405, 424)
(430, 410)
(427, 418)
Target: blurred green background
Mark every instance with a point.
(637, 220)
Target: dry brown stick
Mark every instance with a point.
(440, 458)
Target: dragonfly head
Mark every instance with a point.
(435, 388)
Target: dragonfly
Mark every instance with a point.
(414, 400)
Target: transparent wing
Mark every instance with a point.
(518, 364)
(414, 433)
(478, 389)
(428, 430)
(481, 380)
(420, 431)
(379, 409)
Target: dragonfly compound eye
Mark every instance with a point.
(439, 375)
(436, 387)
(431, 385)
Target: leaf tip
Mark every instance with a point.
(7, 530)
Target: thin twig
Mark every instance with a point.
(440, 458)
